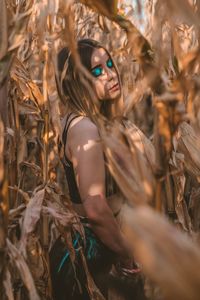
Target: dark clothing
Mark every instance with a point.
(66, 280)
(70, 283)
(68, 166)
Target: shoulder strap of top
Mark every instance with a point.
(64, 134)
(65, 131)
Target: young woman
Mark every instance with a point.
(93, 192)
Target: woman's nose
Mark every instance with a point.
(110, 73)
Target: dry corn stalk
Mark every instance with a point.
(162, 72)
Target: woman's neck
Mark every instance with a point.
(116, 107)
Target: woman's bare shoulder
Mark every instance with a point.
(82, 127)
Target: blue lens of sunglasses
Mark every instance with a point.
(97, 71)
(110, 63)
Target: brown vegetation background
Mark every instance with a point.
(156, 164)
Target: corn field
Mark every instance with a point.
(154, 159)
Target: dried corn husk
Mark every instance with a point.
(159, 66)
(188, 143)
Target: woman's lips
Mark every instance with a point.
(115, 87)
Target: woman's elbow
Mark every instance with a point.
(96, 211)
(93, 218)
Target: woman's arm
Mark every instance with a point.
(87, 156)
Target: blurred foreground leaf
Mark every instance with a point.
(105, 7)
(169, 257)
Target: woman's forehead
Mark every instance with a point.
(99, 56)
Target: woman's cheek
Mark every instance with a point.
(100, 90)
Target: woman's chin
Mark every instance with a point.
(111, 96)
(114, 95)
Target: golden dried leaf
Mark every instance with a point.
(8, 285)
(189, 145)
(92, 288)
(32, 216)
(1, 150)
(164, 253)
(3, 29)
(129, 164)
(23, 270)
(107, 8)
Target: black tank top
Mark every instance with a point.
(111, 187)
(68, 166)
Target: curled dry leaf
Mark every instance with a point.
(31, 217)
(64, 216)
(91, 286)
(64, 223)
(8, 285)
(15, 212)
(24, 194)
(24, 272)
(25, 108)
(180, 205)
(189, 145)
(28, 87)
(194, 205)
(35, 168)
(37, 264)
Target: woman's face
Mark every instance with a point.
(106, 81)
